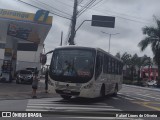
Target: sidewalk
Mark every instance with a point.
(24, 91)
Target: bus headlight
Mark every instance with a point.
(56, 84)
(88, 85)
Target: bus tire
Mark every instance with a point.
(102, 91)
(115, 90)
(66, 97)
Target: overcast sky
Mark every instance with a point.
(131, 16)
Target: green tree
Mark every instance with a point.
(141, 62)
(153, 39)
(126, 63)
(118, 55)
(133, 63)
(126, 59)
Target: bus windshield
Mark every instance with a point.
(70, 65)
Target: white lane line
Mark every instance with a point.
(154, 95)
(150, 96)
(37, 110)
(54, 99)
(55, 105)
(126, 98)
(71, 108)
(137, 98)
(133, 98)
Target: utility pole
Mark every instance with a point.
(74, 18)
(109, 39)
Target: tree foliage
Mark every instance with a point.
(152, 38)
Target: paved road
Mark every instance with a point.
(147, 97)
(128, 99)
(76, 108)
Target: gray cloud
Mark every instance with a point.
(131, 16)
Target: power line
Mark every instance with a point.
(64, 3)
(80, 2)
(96, 4)
(41, 8)
(126, 18)
(121, 16)
(85, 7)
(52, 7)
(125, 14)
(103, 12)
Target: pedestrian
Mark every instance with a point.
(35, 84)
(46, 81)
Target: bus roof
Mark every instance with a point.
(91, 48)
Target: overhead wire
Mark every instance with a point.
(41, 8)
(52, 7)
(85, 7)
(91, 8)
(135, 17)
(80, 2)
(64, 3)
(96, 4)
(133, 20)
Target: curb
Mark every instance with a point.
(152, 89)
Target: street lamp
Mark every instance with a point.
(109, 38)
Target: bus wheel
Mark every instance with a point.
(66, 97)
(102, 91)
(115, 90)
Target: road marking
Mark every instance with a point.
(137, 98)
(149, 96)
(152, 107)
(73, 108)
(126, 98)
(147, 104)
(55, 105)
(52, 105)
(134, 98)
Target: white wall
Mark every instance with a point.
(26, 58)
(1, 53)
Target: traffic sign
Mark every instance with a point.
(103, 21)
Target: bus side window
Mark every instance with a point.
(120, 68)
(99, 60)
(113, 68)
(105, 65)
(109, 65)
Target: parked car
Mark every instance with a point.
(33, 69)
(24, 76)
(152, 83)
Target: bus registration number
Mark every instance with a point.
(66, 91)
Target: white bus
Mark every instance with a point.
(84, 72)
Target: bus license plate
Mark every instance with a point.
(66, 91)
